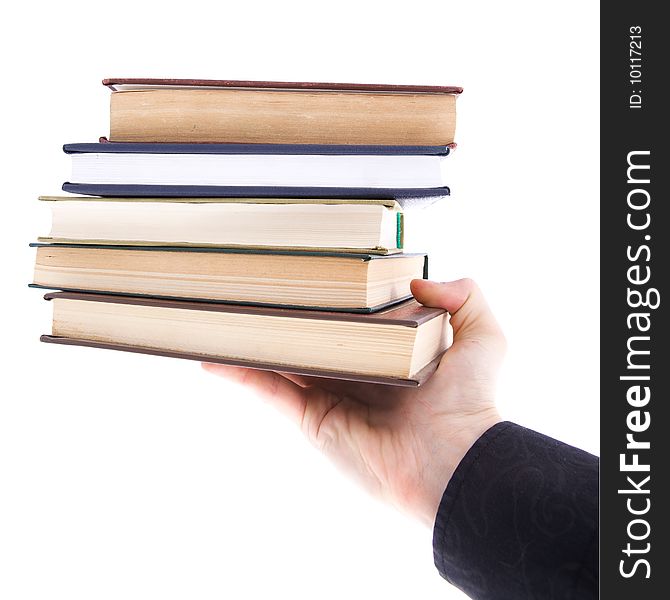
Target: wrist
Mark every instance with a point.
(446, 455)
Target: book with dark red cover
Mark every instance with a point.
(407, 314)
(280, 112)
(121, 83)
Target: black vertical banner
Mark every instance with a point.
(635, 339)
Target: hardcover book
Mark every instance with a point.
(215, 111)
(262, 170)
(356, 225)
(400, 345)
(315, 280)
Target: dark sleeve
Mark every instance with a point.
(519, 519)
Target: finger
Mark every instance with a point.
(302, 380)
(471, 317)
(306, 407)
(287, 396)
(353, 390)
(326, 383)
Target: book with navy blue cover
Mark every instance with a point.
(259, 170)
(303, 149)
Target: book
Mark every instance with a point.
(351, 282)
(265, 170)
(400, 345)
(214, 111)
(371, 226)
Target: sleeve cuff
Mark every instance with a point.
(519, 518)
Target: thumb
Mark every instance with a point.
(471, 317)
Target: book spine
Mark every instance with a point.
(400, 230)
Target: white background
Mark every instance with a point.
(132, 477)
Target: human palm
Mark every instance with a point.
(402, 444)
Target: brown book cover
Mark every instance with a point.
(119, 83)
(407, 314)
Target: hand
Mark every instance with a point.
(402, 444)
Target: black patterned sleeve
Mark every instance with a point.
(519, 519)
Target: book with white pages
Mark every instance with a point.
(260, 170)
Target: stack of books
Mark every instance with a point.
(253, 223)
